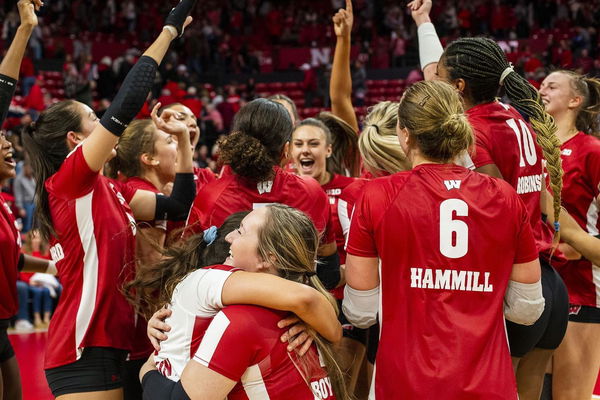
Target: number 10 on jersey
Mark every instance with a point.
(454, 233)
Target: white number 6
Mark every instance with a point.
(453, 247)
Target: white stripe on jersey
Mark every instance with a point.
(253, 384)
(85, 225)
(342, 210)
(211, 339)
(592, 218)
(596, 279)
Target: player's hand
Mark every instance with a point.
(297, 336)
(170, 122)
(156, 327)
(179, 17)
(419, 10)
(27, 9)
(343, 21)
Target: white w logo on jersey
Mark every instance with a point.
(452, 184)
(264, 187)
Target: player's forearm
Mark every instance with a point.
(11, 64)
(340, 88)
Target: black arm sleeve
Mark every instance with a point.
(131, 96)
(159, 387)
(21, 263)
(177, 206)
(328, 270)
(7, 90)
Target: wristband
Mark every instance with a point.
(172, 30)
(430, 47)
(178, 15)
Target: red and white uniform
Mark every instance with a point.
(141, 346)
(242, 343)
(334, 190)
(202, 177)
(447, 238)
(231, 194)
(10, 249)
(195, 301)
(503, 138)
(581, 164)
(94, 251)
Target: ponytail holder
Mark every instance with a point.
(556, 226)
(310, 274)
(210, 235)
(376, 127)
(506, 72)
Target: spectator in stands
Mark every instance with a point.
(34, 102)
(27, 73)
(359, 83)
(24, 191)
(309, 84)
(106, 82)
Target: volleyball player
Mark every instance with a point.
(253, 151)
(89, 219)
(275, 239)
(12, 260)
(147, 157)
(574, 102)
(202, 176)
(442, 278)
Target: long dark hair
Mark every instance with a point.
(481, 63)
(345, 157)
(45, 142)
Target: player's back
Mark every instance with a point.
(231, 193)
(447, 238)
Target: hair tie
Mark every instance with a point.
(210, 235)
(310, 274)
(556, 226)
(506, 72)
(376, 127)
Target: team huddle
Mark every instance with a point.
(443, 248)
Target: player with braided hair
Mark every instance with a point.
(508, 147)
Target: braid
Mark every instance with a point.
(481, 62)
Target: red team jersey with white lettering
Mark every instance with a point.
(242, 343)
(231, 194)
(581, 164)
(503, 138)
(10, 250)
(94, 250)
(447, 238)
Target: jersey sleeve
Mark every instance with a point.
(592, 166)
(361, 238)
(127, 189)
(483, 153)
(206, 293)
(74, 179)
(230, 344)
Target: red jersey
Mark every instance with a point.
(10, 249)
(334, 190)
(447, 238)
(242, 343)
(94, 251)
(503, 138)
(141, 346)
(231, 194)
(581, 164)
(203, 176)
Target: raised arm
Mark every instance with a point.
(430, 47)
(134, 90)
(280, 294)
(340, 88)
(9, 68)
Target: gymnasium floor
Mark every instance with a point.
(30, 348)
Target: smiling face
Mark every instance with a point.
(243, 252)
(557, 94)
(309, 151)
(8, 164)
